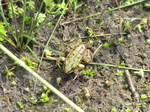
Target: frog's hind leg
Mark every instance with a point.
(78, 70)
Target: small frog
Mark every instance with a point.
(72, 63)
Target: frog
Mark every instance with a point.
(72, 63)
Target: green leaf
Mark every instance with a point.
(143, 96)
(147, 5)
(2, 29)
(20, 105)
(31, 4)
(49, 5)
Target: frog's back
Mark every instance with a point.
(74, 58)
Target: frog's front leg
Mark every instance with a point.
(58, 61)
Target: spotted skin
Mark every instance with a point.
(88, 56)
(74, 58)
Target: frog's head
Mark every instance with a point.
(88, 46)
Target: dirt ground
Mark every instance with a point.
(108, 27)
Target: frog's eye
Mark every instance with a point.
(82, 46)
(88, 46)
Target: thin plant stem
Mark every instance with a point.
(24, 15)
(14, 19)
(35, 20)
(132, 88)
(23, 24)
(134, 3)
(120, 67)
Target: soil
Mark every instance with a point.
(99, 93)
